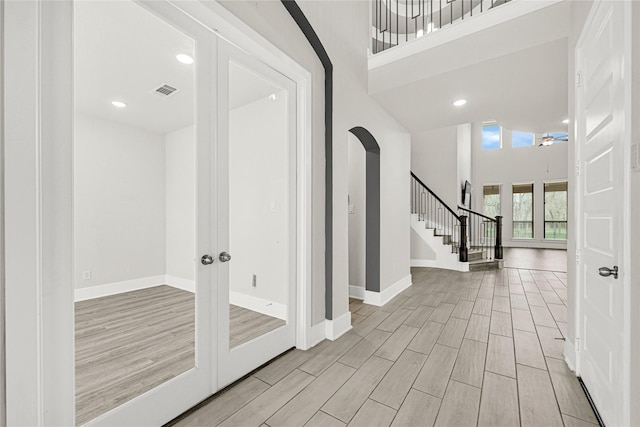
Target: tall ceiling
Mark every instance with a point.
(515, 72)
(122, 52)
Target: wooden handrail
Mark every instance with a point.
(436, 196)
(476, 213)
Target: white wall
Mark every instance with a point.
(352, 106)
(434, 159)
(509, 166)
(258, 199)
(180, 204)
(119, 202)
(464, 157)
(357, 213)
(419, 249)
(634, 270)
(2, 260)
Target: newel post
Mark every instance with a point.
(463, 251)
(498, 248)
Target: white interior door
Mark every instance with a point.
(180, 158)
(256, 169)
(599, 146)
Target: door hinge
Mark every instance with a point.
(577, 256)
(578, 79)
(578, 169)
(577, 342)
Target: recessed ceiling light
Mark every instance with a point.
(565, 121)
(118, 104)
(459, 102)
(273, 97)
(184, 58)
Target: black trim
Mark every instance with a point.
(462, 208)
(304, 25)
(372, 216)
(413, 175)
(591, 403)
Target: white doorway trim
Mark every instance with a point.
(229, 27)
(38, 138)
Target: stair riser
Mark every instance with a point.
(488, 265)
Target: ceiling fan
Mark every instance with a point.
(552, 138)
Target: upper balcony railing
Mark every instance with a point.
(398, 21)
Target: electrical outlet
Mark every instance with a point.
(86, 275)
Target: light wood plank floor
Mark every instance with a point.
(246, 325)
(455, 349)
(129, 343)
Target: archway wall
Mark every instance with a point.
(372, 213)
(351, 106)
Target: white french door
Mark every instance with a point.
(170, 398)
(600, 140)
(256, 196)
(252, 209)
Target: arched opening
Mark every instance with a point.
(371, 207)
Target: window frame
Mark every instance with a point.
(533, 211)
(499, 185)
(544, 210)
(533, 139)
(500, 136)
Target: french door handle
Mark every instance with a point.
(224, 257)
(206, 259)
(606, 271)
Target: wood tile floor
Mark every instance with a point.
(455, 349)
(129, 343)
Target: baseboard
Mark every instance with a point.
(356, 292)
(335, 328)
(318, 333)
(423, 263)
(98, 291)
(180, 283)
(259, 305)
(381, 298)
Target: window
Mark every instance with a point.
(491, 200)
(523, 211)
(559, 136)
(521, 139)
(555, 211)
(491, 136)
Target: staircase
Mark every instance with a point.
(443, 238)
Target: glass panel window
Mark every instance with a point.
(523, 211)
(555, 211)
(521, 139)
(560, 136)
(491, 136)
(491, 200)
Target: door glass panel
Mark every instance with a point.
(259, 205)
(134, 204)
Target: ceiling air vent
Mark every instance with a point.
(165, 90)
